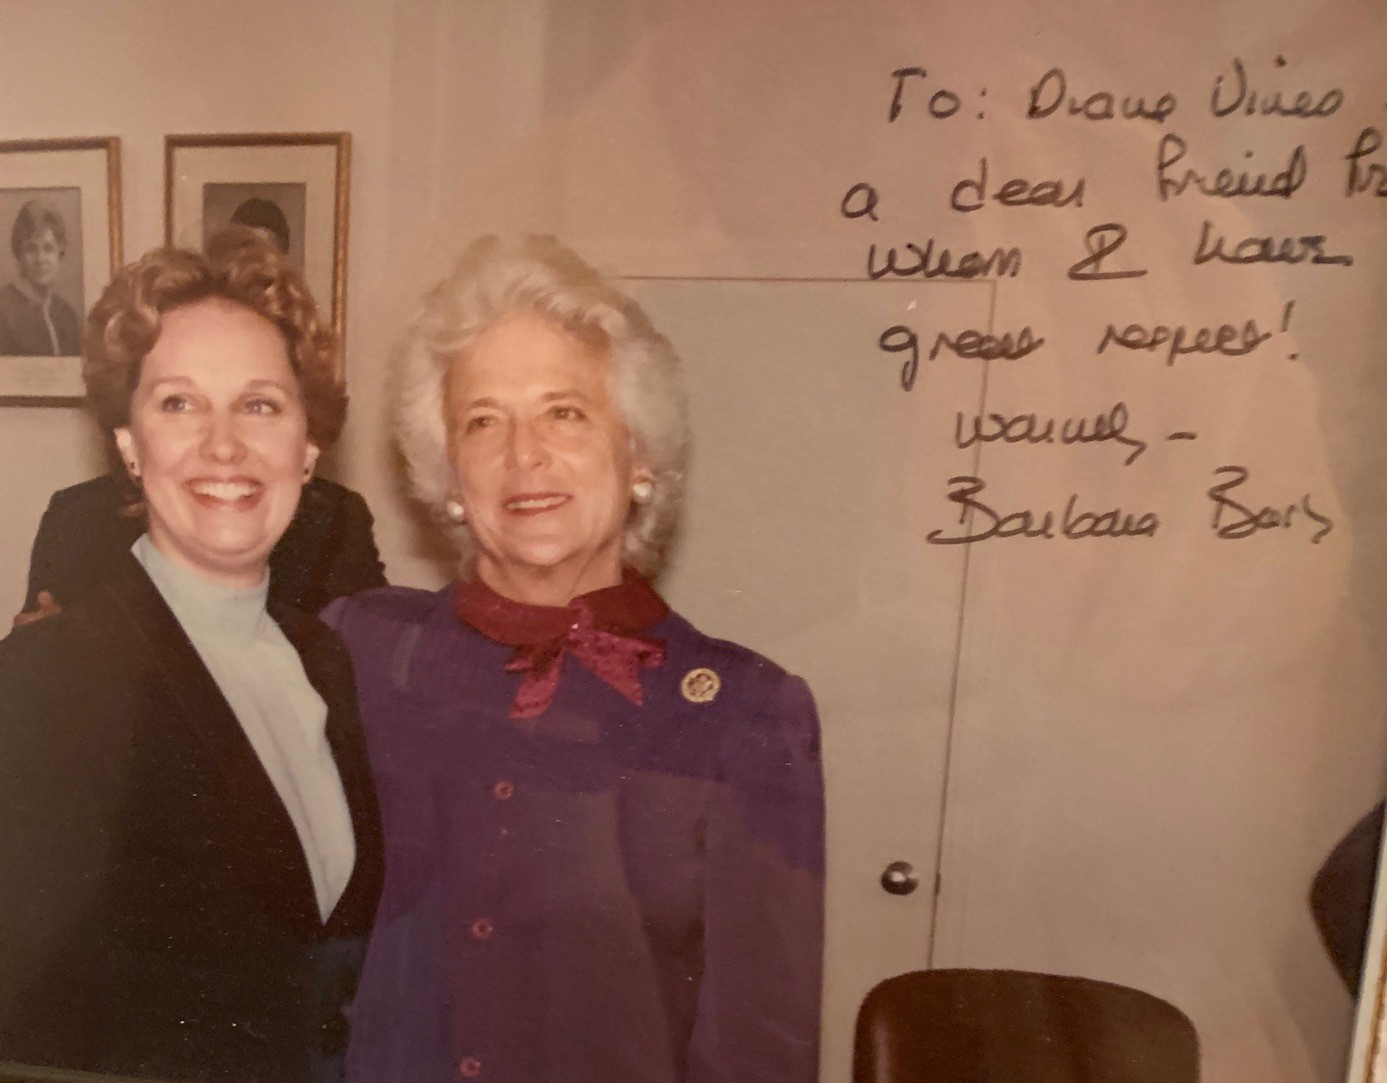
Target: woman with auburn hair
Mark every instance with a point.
(190, 855)
(603, 829)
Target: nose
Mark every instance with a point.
(222, 442)
(526, 445)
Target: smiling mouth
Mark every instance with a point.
(534, 503)
(225, 492)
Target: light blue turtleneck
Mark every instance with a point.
(262, 677)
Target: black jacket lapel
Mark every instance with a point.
(259, 833)
(329, 670)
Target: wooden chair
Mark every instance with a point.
(1009, 1026)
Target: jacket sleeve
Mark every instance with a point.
(356, 565)
(59, 773)
(328, 552)
(759, 1000)
(81, 531)
(45, 563)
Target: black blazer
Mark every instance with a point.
(157, 916)
(327, 552)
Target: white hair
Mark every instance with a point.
(536, 275)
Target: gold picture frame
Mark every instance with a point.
(294, 186)
(60, 211)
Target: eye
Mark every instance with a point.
(567, 412)
(263, 406)
(175, 404)
(477, 422)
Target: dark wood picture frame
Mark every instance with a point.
(267, 159)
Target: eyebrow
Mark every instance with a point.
(253, 385)
(548, 396)
(567, 393)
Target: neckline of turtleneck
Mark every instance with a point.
(232, 613)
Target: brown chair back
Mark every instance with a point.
(1010, 1026)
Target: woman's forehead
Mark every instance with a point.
(528, 356)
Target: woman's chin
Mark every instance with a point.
(545, 563)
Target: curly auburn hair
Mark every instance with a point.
(239, 267)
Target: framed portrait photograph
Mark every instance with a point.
(60, 211)
(291, 186)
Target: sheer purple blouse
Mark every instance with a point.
(603, 891)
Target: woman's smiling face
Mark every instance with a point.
(219, 438)
(542, 459)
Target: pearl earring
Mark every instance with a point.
(455, 511)
(642, 491)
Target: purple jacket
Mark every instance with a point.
(604, 892)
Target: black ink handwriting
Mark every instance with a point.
(1226, 183)
(1372, 176)
(1049, 94)
(1033, 429)
(1266, 249)
(1235, 520)
(970, 194)
(1241, 97)
(1226, 339)
(1102, 241)
(1073, 524)
(914, 261)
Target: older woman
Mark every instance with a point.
(189, 838)
(604, 829)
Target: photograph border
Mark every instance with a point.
(341, 201)
(111, 145)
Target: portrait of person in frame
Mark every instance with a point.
(41, 294)
(276, 210)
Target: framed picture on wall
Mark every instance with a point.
(292, 186)
(60, 218)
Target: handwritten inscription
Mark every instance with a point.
(979, 521)
(1031, 428)
(1227, 340)
(1214, 246)
(1227, 183)
(1248, 97)
(1233, 95)
(1051, 95)
(1365, 176)
(971, 193)
(928, 261)
(1237, 515)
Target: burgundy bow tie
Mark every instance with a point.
(600, 629)
(614, 657)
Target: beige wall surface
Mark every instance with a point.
(1124, 758)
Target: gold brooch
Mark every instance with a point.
(700, 685)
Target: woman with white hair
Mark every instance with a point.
(604, 829)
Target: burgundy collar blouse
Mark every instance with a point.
(599, 629)
(604, 845)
